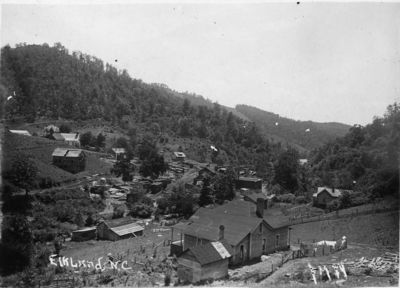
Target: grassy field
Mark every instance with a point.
(372, 229)
(40, 150)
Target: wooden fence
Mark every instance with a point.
(345, 213)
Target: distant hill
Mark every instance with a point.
(293, 132)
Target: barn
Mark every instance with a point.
(204, 262)
(248, 229)
(71, 160)
(118, 229)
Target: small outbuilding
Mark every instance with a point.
(118, 229)
(249, 183)
(21, 132)
(120, 153)
(179, 156)
(325, 195)
(85, 234)
(204, 262)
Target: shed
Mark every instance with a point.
(21, 132)
(118, 229)
(179, 156)
(324, 195)
(119, 153)
(85, 234)
(249, 182)
(204, 262)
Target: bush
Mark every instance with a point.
(333, 205)
(301, 200)
(140, 210)
(286, 198)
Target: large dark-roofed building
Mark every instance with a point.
(247, 230)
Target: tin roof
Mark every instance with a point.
(70, 136)
(250, 179)
(21, 132)
(74, 153)
(60, 152)
(65, 152)
(333, 192)
(127, 229)
(179, 154)
(57, 136)
(238, 217)
(210, 252)
(85, 229)
(119, 222)
(119, 150)
(235, 217)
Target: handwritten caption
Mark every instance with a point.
(99, 265)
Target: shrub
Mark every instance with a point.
(300, 200)
(333, 205)
(286, 198)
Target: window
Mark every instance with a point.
(261, 228)
(277, 240)
(241, 251)
(264, 245)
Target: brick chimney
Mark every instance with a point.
(260, 207)
(221, 232)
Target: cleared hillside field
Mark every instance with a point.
(40, 151)
(380, 229)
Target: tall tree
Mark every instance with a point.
(23, 172)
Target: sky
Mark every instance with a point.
(326, 62)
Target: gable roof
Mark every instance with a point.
(57, 136)
(235, 216)
(179, 154)
(333, 192)
(119, 222)
(74, 153)
(65, 152)
(210, 252)
(60, 152)
(119, 150)
(250, 179)
(21, 132)
(127, 229)
(70, 136)
(238, 218)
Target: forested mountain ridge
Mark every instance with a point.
(43, 82)
(304, 135)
